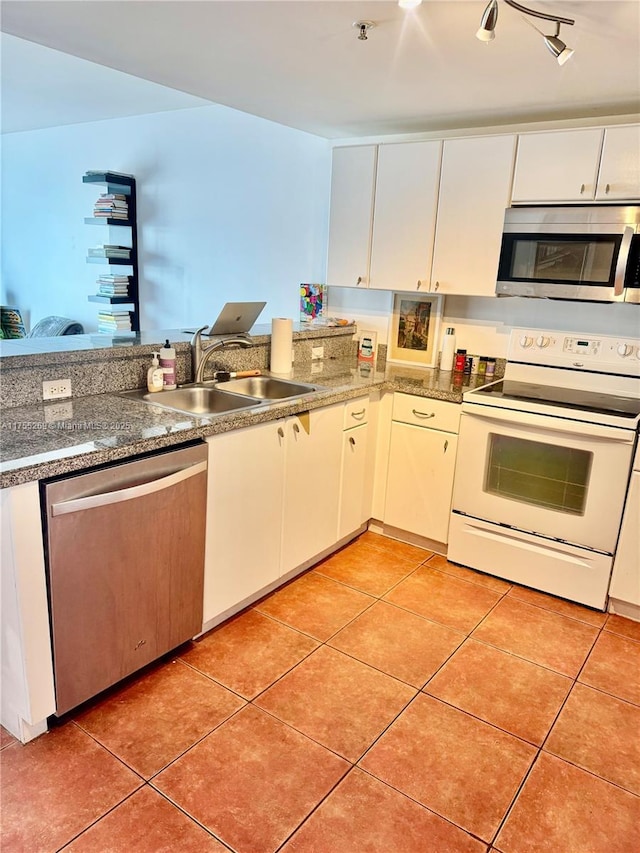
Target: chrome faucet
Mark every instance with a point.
(201, 353)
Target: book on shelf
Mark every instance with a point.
(109, 251)
(112, 197)
(111, 291)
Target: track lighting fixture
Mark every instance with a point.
(488, 22)
(409, 4)
(554, 43)
(557, 47)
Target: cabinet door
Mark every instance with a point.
(619, 176)
(557, 166)
(404, 215)
(420, 480)
(351, 211)
(244, 514)
(625, 580)
(353, 506)
(313, 448)
(475, 188)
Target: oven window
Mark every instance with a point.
(583, 261)
(540, 474)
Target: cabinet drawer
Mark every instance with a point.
(425, 412)
(356, 412)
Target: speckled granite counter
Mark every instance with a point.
(101, 428)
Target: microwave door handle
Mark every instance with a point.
(623, 257)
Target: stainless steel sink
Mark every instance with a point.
(195, 399)
(268, 387)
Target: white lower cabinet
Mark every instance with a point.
(353, 501)
(355, 492)
(272, 503)
(625, 581)
(244, 514)
(421, 466)
(313, 446)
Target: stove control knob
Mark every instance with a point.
(525, 341)
(542, 341)
(624, 350)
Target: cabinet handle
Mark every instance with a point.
(425, 415)
(437, 287)
(606, 189)
(296, 427)
(419, 284)
(581, 189)
(358, 415)
(352, 441)
(359, 280)
(280, 432)
(446, 445)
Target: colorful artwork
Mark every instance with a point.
(311, 302)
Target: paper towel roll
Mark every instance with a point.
(281, 345)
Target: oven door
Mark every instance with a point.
(545, 475)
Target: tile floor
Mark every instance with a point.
(385, 702)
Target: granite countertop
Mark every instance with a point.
(50, 439)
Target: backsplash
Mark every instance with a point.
(110, 370)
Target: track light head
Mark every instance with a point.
(558, 48)
(488, 22)
(409, 4)
(554, 43)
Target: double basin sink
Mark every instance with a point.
(209, 398)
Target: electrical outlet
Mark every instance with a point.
(58, 412)
(317, 352)
(54, 389)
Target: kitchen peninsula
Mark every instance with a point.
(47, 440)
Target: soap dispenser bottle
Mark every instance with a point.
(168, 365)
(155, 376)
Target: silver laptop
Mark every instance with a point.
(236, 318)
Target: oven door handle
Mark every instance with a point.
(623, 258)
(547, 423)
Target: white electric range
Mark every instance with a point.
(544, 460)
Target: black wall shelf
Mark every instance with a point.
(125, 185)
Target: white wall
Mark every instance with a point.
(230, 206)
(483, 324)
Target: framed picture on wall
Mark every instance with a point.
(414, 329)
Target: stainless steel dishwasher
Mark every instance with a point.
(125, 561)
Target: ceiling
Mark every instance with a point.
(300, 63)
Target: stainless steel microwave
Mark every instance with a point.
(586, 253)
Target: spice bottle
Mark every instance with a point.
(461, 357)
(482, 367)
(491, 367)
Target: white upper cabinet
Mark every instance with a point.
(404, 216)
(475, 189)
(352, 191)
(619, 176)
(557, 166)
